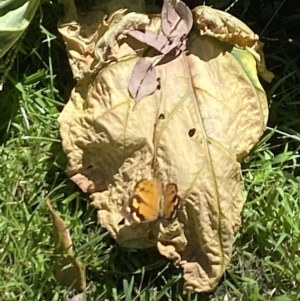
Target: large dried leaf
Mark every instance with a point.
(68, 271)
(208, 113)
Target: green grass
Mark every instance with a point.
(266, 259)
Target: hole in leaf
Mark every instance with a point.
(192, 132)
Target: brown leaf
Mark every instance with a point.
(62, 238)
(68, 271)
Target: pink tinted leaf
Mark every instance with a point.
(169, 18)
(177, 21)
(176, 24)
(143, 79)
(186, 18)
(161, 43)
(150, 38)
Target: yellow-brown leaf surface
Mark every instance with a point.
(193, 131)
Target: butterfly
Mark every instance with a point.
(151, 201)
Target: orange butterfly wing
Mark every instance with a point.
(145, 203)
(172, 201)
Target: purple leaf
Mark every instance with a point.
(143, 79)
(169, 18)
(176, 21)
(176, 24)
(186, 18)
(160, 42)
(151, 38)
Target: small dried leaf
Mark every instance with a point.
(143, 79)
(68, 271)
(62, 238)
